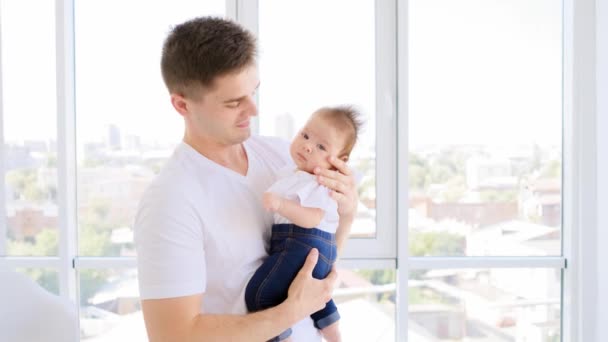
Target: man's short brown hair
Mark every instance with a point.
(198, 51)
(348, 120)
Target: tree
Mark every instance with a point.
(498, 196)
(45, 244)
(26, 185)
(435, 243)
(553, 169)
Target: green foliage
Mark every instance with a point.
(455, 188)
(552, 169)
(447, 166)
(45, 244)
(26, 186)
(495, 196)
(20, 180)
(425, 296)
(51, 161)
(378, 277)
(91, 281)
(436, 243)
(94, 240)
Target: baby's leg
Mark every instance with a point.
(331, 333)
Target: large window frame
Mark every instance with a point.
(389, 248)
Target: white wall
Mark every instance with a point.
(602, 166)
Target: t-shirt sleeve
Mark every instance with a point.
(313, 195)
(170, 246)
(317, 196)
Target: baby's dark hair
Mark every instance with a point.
(345, 118)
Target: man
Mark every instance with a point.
(201, 231)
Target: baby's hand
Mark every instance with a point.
(271, 201)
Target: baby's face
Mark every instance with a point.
(315, 143)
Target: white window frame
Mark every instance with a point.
(3, 230)
(382, 246)
(582, 159)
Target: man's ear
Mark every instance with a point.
(180, 104)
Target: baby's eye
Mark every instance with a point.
(321, 147)
(305, 136)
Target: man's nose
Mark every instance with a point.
(252, 107)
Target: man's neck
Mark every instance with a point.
(233, 157)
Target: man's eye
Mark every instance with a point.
(233, 104)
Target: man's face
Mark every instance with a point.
(317, 140)
(222, 113)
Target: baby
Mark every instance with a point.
(305, 216)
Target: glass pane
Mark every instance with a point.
(30, 127)
(109, 306)
(485, 305)
(485, 122)
(366, 302)
(125, 122)
(321, 65)
(48, 278)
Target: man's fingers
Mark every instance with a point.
(333, 176)
(330, 283)
(340, 165)
(338, 197)
(332, 276)
(311, 262)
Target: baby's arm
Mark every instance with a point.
(302, 216)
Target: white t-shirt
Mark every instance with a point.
(303, 187)
(201, 228)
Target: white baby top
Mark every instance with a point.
(303, 187)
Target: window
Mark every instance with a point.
(464, 222)
(484, 137)
(126, 126)
(30, 151)
(485, 161)
(304, 67)
(126, 129)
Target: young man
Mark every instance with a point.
(201, 230)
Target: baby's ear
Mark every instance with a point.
(344, 158)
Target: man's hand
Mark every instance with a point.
(271, 201)
(344, 191)
(343, 186)
(307, 294)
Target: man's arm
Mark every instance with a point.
(302, 216)
(344, 226)
(344, 191)
(180, 319)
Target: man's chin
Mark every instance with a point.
(241, 137)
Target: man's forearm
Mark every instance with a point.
(257, 326)
(344, 226)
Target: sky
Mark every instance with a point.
(480, 71)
